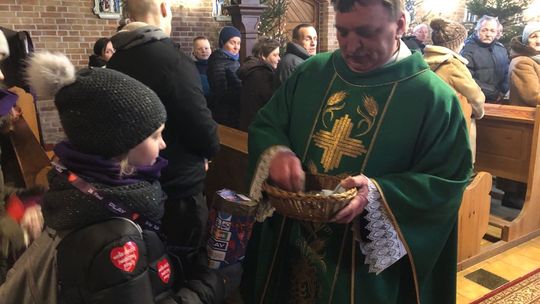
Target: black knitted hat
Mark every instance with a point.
(103, 112)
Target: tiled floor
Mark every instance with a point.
(508, 265)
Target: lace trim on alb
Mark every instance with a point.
(264, 209)
(384, 247)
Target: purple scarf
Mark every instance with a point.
(105, 170)
(7, 101)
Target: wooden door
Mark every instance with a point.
(302, 11)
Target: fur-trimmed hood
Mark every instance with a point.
(517, 48)
(434, 54)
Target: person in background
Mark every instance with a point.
(105, 197)
(488, 59)
(103, 51)
(145, 51)
(224, 83)
(257, 75)
(302, 46)
(421, 32)
(525, 67)
(525, 92)
(499, 32)
(443, 58)
(21, 220)
(373, 115)
(419, 38)
(201, 53)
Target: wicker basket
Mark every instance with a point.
(308, 206)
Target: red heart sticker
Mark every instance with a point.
(125, 258)
(164, 270)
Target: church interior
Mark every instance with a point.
(498, 246)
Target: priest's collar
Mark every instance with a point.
(402, 52)
(401, 66)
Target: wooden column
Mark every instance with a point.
(245, 17)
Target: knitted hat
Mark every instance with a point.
(529, 30)
(4, 46)
(447, 33)
(103, 112)
(100, 45)
(226, 33)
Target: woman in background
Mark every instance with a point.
(103, 51)
(525, 67)
(257, 75)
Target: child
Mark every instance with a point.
(105, 180)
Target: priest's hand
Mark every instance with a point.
(286, 172)
(358, 203)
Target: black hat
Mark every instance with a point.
(226, 33)
(102, 111)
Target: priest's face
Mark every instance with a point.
(368, 36)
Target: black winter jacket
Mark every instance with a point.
(413, 43)
(149, 56)
(224, 88)
(105, 259)
(115, 262)
(257, 88)
(294, 56)
(488, 64)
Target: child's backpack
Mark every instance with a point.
(33, 278)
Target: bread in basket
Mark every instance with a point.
(310, 205)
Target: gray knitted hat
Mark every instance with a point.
(529, 30)
(103, 112)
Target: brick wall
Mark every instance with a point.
(71, 27)
(327, 31)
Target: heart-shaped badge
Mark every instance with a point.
(125, 258)
(164, 270)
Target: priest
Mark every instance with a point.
(373, 113)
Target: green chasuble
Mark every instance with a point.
(403, 128)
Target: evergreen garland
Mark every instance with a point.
(509, 13)
(272, 22)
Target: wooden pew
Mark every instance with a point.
(32, 162)
(31, 158)
(473, 217)
(508, 146)
(228, 169)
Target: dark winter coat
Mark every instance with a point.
(414, 44)
(257, 88)
(488, 64)
(148, 55)
(295, 54)
(202, 67)
(106, 259)
(96, 61)
(224, 88)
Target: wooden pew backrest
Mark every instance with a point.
(504, 141)
(228, 168)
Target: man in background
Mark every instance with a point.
(488, 59)
(201, 53)
(145, 52)
(302, 46)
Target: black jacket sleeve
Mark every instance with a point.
(187, 109)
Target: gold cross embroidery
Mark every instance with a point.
(338, 143)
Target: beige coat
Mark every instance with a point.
(524, 75)
(452, 68)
